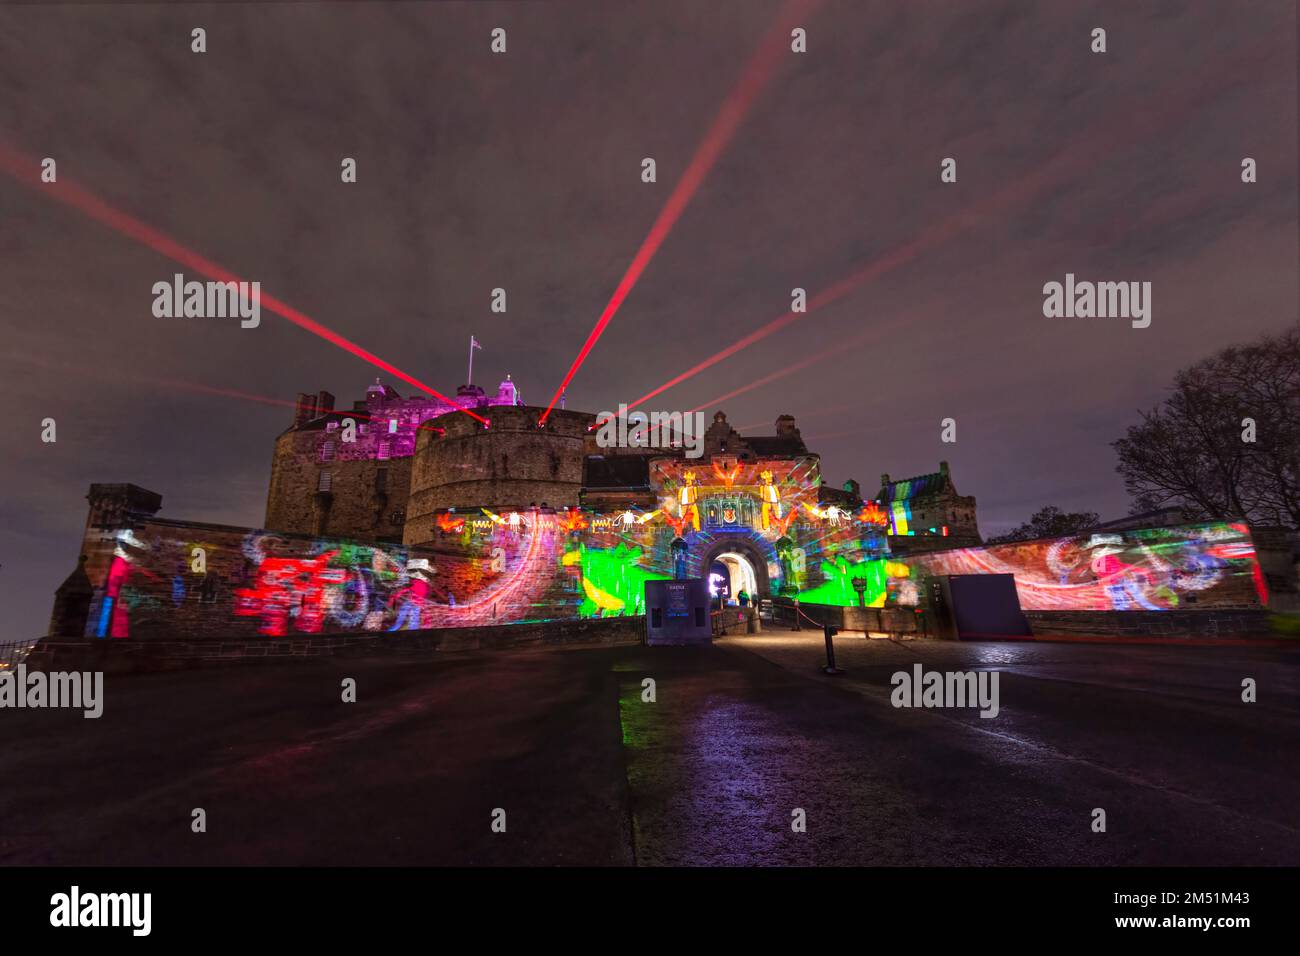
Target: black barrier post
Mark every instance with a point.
(830, 667)
(797, 625)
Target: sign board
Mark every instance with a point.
(677, 612)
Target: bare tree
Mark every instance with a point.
(1049, 522)
(1225, 444)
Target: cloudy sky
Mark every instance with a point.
(522, 171)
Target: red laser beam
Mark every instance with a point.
(24, 169)
(758, 71)
(827, 296)
(1082, 152)
(837, 349)
(223, 392)
(202, 389)
(1164, 217)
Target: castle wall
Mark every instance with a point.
(155, 578)
(146, 584)
(366, 497)
(1188, 567)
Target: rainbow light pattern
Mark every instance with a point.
(1152, 569)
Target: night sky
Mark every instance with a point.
(523, 171)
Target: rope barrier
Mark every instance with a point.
(800, 612)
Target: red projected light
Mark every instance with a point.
(737, 105)
(1086, 150)
(265, 400)
(23, 168)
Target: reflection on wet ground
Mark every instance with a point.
(1157, 736)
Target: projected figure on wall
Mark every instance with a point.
(833, 515)
(414, 597)
(771, 496)
(688, 497)
(113, 610)
(726, 476)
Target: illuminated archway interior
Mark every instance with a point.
(741, 572)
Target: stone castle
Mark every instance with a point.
(384, 468)
(404, 514)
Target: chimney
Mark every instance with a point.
(111, 504)
(304, 410)
(884, 480)
(943, 468)
(324, 402)
(785, 426)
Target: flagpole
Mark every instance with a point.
(469, 378)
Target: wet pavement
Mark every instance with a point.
(1156, 736)
(289, 774)
(741, 739)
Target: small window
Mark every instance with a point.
(327, 450)
(326, 481)
(392, 426)
(385, 450)
(331, 426)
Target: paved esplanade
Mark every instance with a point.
(740, 735)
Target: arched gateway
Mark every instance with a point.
(742, 560)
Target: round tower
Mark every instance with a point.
(512, 464)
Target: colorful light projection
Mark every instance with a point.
(839, 589)
(485, 567)
(280, 585)
(763, 496)
(613, 580)
(1154, 569)
(830, 552)
(505, 572)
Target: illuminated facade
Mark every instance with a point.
(347, 472)
(155, 578)
(516, 523)
(1185, 567)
